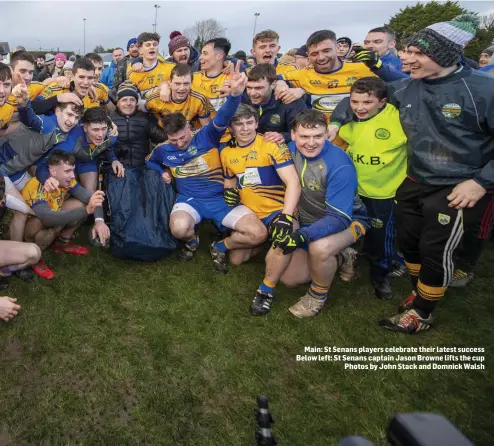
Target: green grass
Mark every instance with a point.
(123, 353)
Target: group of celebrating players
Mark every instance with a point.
(342, 143)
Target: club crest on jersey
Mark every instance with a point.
(192, 150)
(275, 119)
(382, 134)
(443, 219)
(451, 110)
(252, 155)
(313, 185)
(350, 81)
(376, 223)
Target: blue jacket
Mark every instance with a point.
(394, 61)
(107, 75)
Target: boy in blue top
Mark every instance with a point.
(327, 219)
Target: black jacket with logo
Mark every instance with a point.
(276, 116)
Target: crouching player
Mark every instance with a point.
(330, 220)
(260, 175)
(56, 217)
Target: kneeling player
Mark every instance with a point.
(261, 176)
(57, 218)
(329, 184)
(194, 162)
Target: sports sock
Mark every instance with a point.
(267, 287)
(318, 291)
(192, 244)
(222, 246)
(62, 241)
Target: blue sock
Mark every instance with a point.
(267, 287)
(221, 246)
(192, 243)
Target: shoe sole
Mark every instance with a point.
(305, 317)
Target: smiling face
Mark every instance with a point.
(127, 105)
(259, 91)
(421, 66)
(22, 72)
(310, 141)
(210, 58)
(265, 51)
(83, 79)
(67, 117)
(365, 105)
(63, 173)
(244, 129)
(323, 56)
(182, 138)
(484, 60)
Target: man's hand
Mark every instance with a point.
(21, 94)
(332, 131)
(8, 308)
(279, 87)
(92, 94)
(113, 133)
(165, 92)
(62, 81)
(227, 67)
(466, 195)
(225, 89)
(290, 242)
(118, 168)
(368, 57)
(65, 98)
(232, 196)
(51, 185)
(238, 80)
(274, 137)
(137, 67)
(281, 226)
(101, 231)
(291, 95)
(95, 201)
(167, 178)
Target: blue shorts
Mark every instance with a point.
(214, 209)
(356, 226)
(85, 166)
(267, 220)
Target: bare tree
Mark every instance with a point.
(204, 30)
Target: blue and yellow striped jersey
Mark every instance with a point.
(196, 105)
(6, 112)
(34, 193)
(102, 97)
(150, 78)
(254, 166)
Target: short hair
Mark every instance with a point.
(96, 115)
(5, 72)
(79, 109)
(220, 43)
(245, 111)
(371, 85)
(320, 36)
(40, 56)
(173, 123)
(60, 157)
(268, 34)
(386, 30)
(82, 64)
(21, 55)
(157, 135)
(118, 48)
(147, 37)
(262, 71)
(94, 57)
(310, 119)
(181, 69)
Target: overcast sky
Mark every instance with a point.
(60, 24)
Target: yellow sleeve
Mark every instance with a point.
(153, 102)
(6, 113)
(35, 89)
(204, 107)
(280, 154)
(102, 93)
(224, 163)
(294, 77)
(33, 192)
(51, 90)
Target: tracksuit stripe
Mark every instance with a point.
(451, 244)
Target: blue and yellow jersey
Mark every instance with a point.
(254, 166)
(34, 194)
(6, 112)
(54, 89)
(285, 67)
(378, 149)
(210, 87)
(197, 169)
(150, 77)
(196, 105)
(326, 90)
(35, 89)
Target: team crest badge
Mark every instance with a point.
(350, 81)
(443, 219)
(451, 111)
(275, 119)
(382, 134)
(313, 185)
(252, 155)
(192, 150)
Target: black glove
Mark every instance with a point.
(232, 196)
(368, 57)
(281, 225)
(290, 242)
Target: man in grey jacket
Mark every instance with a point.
(447, 112)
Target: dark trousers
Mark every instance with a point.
(428, 233)
(473, 242)
(379, 242)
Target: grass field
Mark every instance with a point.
(124, 353)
